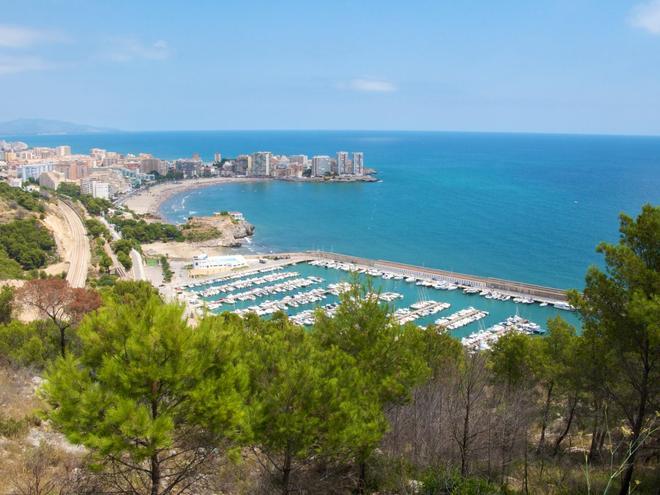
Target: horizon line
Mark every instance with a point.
(434, 131)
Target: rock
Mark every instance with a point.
(219, 230)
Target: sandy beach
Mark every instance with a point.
(148, 200)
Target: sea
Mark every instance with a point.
(525, 207)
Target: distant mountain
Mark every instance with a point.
(24, 127)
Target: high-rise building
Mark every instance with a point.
(34, 170)
(217, 157)
(243, 165)
(261, 163)
(321, 165)
(63, 150)
(150, 165)
(342, 163)
(358, 163)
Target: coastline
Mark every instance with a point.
(147, 201)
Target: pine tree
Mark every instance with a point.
(149, 396)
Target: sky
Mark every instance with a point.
(569, 66)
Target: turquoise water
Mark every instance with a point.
(518, 206)
(498, 310)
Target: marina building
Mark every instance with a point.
(205, 262)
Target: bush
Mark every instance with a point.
(96, 229)
(27, 242)
(125, 260)
(441, 482)
(10, 427)
(28, 344)
(146, 232)
(28, 200)
(9, 268)
(167, 271)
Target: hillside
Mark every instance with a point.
(26, 243)
(24, 127)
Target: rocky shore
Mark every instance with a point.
(219, 230)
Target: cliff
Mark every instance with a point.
(221, 229)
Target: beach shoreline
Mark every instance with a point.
(147, 201)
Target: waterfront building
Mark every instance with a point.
(217, 157)
(358, 163)
(205, 262)
(243, 165)
(101, 190)
(151, 165)
(114, 177)
(189, 168)
(261, 163)
(321, 165)
(299, 159)
(342, 163)
(34, 170)
(95, 188)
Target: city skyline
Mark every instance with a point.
(585, 67)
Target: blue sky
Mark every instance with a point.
(577, 66)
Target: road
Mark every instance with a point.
(138, 266)
(79, 256)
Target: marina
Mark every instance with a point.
(414, 295)
(461, 318)
(484, 339)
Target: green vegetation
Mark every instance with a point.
(167, 271)
(9, 268)
(28, 200)
(357, 403)
(94, 206)
(6, 304)
(149, 394)
(144, 232)
(27, 242)
(122, 248)
(31, 345)
(197, 234)
(96, 228)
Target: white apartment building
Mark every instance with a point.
(321, 165)
(261, 163)
(342, 163)
(358, 163)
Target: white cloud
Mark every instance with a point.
(646, 16)
(127, 49)
(14, 65)
(21, 37)
(369, 86)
